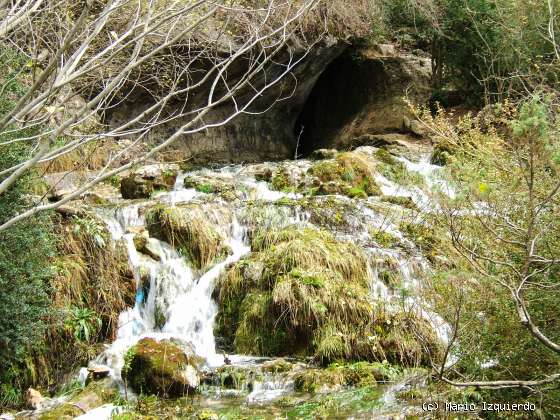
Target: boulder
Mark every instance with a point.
(144, 181)
(94, 395)
(33, 398)
(96, 373)
(133, 187)
(163, 368)
(142, 245)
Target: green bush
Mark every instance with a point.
(25, 252)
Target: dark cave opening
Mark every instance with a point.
(340, 95)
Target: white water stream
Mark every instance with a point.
(175, 289)
(183, 296)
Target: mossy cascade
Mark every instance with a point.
(303, 292)
(190, 231)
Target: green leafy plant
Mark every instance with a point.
(92, 228)
(84, 323)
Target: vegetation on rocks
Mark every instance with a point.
(209, 185)
(303, 292)
(396, 171)
(349, 174)
(339, 375)
(190, 231)
(92, 396)
(162, 368)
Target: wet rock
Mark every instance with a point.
(33, 398)
(211, 185)
(142, 245)
(134, 187)
(163, 368)
(162, 175)
(191, 230)
(98, 372)
(237, 377)
(143, 182)
(92, 396)
(322, 154)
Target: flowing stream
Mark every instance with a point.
(174, 300)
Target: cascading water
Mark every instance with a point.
(174, 288)
(174, 300)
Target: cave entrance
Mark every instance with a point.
(339, 97)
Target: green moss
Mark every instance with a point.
(384, 238)
(205, 188)
(157, 368)
(209, 185)
(349, 174)
(400, 175)
(281, 180)
(405, 202)
(384, 156)
(356, 192)
(62, 412)
(188, 230)
(422, 236)
(357, 374)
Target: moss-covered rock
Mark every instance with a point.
(134, 187)
(148, 179)
(189, 230)
(394, 170)
(162, 368)
(384, 238)
(92, 396)
(209, 185)
(423, 237)
(313, 298)
(281, 180)
(350, 173)
(344, 375)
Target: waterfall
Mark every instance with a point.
(184, 296)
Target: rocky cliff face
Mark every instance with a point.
(364, 92)
(251, 137)
(336, 94)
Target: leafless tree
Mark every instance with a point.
(175, 51)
